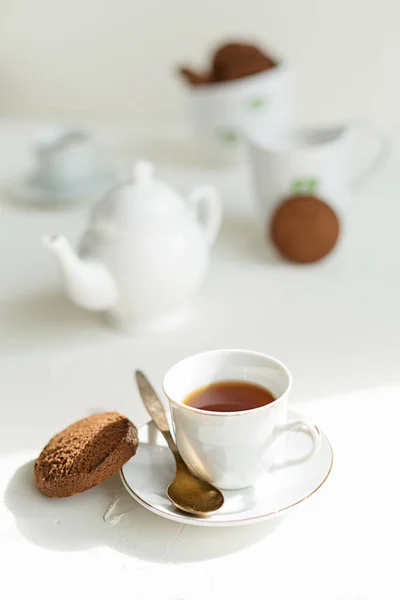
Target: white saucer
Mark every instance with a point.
(31, 190)
(147, 475)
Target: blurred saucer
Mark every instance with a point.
(147, 475)
(34, 190)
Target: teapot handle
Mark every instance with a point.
(206, 203)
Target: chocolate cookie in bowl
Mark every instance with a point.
(231, 61)
(243, 88)
(234, 61)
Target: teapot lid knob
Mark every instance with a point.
(142, 171)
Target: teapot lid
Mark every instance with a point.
(139, 199)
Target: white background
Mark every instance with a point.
(115, 60)
(335, 324)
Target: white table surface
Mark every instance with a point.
(334, 324)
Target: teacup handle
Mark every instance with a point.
(300, 426)
(208, 210)
(380, 156)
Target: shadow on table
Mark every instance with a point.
(108, 516)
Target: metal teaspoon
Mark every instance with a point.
(187, 492)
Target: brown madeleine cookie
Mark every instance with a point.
(304, 229)
(85, 454)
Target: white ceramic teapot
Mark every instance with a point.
(145, 252)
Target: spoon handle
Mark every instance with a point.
(155, 409)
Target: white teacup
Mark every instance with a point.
(233, 449)
(309, 161)
(223, 112)
(66, 157)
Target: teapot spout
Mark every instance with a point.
(88, 282)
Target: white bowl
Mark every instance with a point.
(223, 113)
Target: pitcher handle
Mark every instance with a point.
(208, 210)
(380, 156)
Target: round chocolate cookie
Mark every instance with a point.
(235, 60)
(304, 229)
(85, 454)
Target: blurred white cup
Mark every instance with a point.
(65, 157)
(224, 112)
